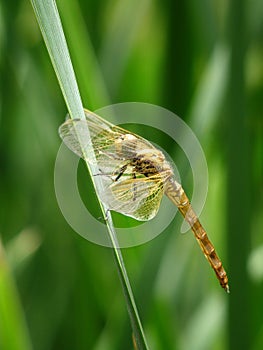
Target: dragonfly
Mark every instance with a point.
(135, 176)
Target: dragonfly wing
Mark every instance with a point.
(97, 124)
(149, 206)
(74, 134)
(124, 190)
(70, 131)
(139, 198)
(106, 138)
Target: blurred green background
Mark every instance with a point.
(202, 60)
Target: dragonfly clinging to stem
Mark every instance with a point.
(135, 176)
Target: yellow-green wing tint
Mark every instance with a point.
(139, 198)
(106, 138)
(125, 189)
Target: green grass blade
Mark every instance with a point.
(90, 78)
(13, 330)
(51, 28)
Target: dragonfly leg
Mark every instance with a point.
(121, 171)
(102, 174)
(100, 218)
(134, 187)
(107, 214)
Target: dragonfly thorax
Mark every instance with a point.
(149, 162)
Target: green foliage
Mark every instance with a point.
(58, 291)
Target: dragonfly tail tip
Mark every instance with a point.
(227, 289)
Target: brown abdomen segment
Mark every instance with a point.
(177, 195)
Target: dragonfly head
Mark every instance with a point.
(125, 145)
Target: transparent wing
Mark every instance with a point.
(108, 141)
(124, 190)
(139, 197)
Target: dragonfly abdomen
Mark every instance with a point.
(210, 253)
(176, 194)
